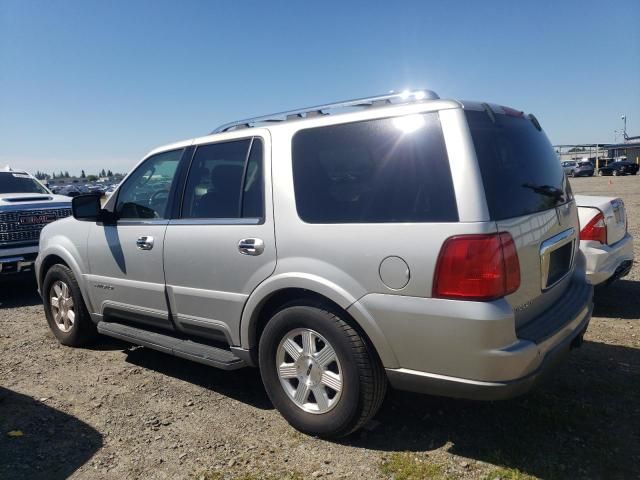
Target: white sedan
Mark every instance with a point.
(604, 238)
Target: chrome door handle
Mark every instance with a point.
(251, 246)
(144, 243)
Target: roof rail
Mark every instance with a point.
(407, 96)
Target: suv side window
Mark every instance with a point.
(146, 192)
(225, 181)
(375, 171)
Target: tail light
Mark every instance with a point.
(477, 267)
(596, 229)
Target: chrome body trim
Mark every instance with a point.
(142, 222)
(216, 221)
(549, 246)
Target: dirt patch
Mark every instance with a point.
(116, 411)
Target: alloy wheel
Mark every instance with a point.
(309, 370)
(62, 307)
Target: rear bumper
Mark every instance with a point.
(606, 263)
(471, 349)
(433, 384)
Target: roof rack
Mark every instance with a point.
(406, 96)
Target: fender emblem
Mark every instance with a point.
(522, 307)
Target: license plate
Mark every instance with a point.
(618, 212)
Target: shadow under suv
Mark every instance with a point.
(406, 240)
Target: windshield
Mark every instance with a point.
(520, 170)
(11, 182)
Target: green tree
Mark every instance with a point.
(109, 173)
(92, 178)
(82, 175)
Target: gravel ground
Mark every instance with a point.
(116, 411)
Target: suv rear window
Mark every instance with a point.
(376, 171)
(520, 170)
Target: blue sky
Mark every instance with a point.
(97, 84)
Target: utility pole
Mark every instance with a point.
(624, 128)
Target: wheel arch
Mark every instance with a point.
(58, 255)
(271, 296)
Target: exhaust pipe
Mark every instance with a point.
(578, 341)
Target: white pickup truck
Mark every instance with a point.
(604, 238)
(26, 206)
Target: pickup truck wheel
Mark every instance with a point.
(65, 309)
(615, 173)
(319, 372)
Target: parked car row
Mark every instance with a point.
(431, 245)
(74, 190)
(585, 168)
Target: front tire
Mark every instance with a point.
(64, 307)
(319, 372)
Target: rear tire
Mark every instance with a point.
(323, 394)
(64, 307)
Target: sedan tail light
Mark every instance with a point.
(596, 229)
(477, 267)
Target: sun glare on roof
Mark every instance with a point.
(409, 123)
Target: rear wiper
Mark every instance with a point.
(546, 190)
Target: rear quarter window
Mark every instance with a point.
(519, 167)
(376, 171)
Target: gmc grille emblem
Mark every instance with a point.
(36, 219)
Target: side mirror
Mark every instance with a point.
(88, 208)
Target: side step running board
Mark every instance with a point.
(198, 352)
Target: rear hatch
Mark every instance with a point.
(528, 196)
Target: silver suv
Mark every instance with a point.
(403, 239)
